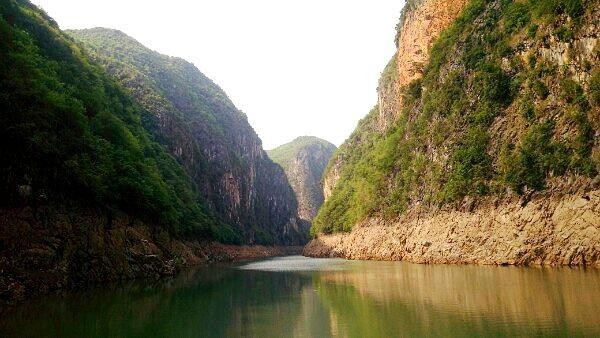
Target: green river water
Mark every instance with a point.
(304, 297)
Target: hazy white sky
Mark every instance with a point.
(307, 67)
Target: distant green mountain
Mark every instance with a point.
(195, 120)
(285, 153)
(304, 161)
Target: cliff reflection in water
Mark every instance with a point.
(396, 298)
(305, 297)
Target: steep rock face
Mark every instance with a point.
(202, 128)
(304, 161)
(500, 112)
(421, 23)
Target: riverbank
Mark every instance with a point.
(48, 248)
(557, 227)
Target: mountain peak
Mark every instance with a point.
(304, 160)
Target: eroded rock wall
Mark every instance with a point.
(560, 226)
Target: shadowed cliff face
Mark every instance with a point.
(201, 127)
(304, 161)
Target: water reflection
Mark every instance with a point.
(305, 297)
(394, 299)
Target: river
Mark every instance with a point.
(305, 297)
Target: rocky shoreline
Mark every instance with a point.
(558, 227)
(49, 248)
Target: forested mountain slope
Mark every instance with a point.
(488, 108)
(205, 132)
(304, 160)
(70, 134)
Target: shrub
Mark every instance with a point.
(540, 89)
(413, 92)
(516, 15)
(492, 84)
(583, 144)
(564, 33)
(573, 8)
(537, 156)
(594, 91)
(471, 166)
(527, 109)
(571, 91)
(474, 55)
(532, 30)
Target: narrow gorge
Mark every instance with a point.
(154, 180)
(304, 161)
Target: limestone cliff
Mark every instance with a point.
(483, 147)
(304, 160)
(420, 24)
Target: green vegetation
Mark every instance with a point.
(445, 144)
(285, 153)
(571, 91)
(595, 87)
(535, 157)
(389, 72)
(71, 134)
(197, 123)
(572, 8)
(162, 83)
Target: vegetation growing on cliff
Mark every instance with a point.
(195, 120)
(487, 116)
(151, 76)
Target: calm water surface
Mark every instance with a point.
(304, 297)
